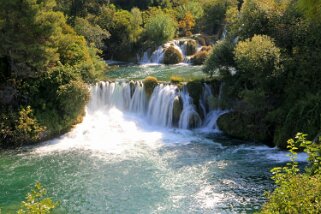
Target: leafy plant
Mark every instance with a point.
(297, 192)
(36, 202)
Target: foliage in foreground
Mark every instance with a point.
(297, 192)
(36, 202)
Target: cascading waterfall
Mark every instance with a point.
(189, 117)
(138, 102)
(158, 110)
(211, 117)
(158, 55)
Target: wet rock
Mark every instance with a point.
(177, 110)
(172, 56)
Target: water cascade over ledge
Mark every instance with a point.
(168, 105)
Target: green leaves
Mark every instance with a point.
(36, 203)
(295, 192)
(160, 28)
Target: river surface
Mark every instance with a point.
(161, 72)
(116, 162)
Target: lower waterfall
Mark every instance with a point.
(158, 109)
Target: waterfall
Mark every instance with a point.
(206, 93)
(210, 121)
(189, 117)
(159, 109)
(157, 56)
(138, 103)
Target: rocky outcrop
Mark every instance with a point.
(177, 110)
(172, 56)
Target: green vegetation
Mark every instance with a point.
(36, 202)
(149, 84)
(160, 27)
(297, 192)
(268, 63)
(44, 67)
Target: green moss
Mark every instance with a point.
(195, 89)
(244, 127)
(149, 84)
(191, 47)
(176, 79)
(172, 56)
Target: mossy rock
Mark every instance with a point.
(191, 47)
(195, 89)
(149, 84)
(177, 110)
(132, 86)
(199, 58)
(172, 56)
(243, 126)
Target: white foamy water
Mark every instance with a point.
(125, 158)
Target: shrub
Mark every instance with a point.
(36, 202)
(220, 58)
(149, 84)
(258, 58)
(172, 56)
(303, 115)
(295, 192)
(160, 28)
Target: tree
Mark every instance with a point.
(187, 24)
(160, 28)
(258, 59)
(93, 33)
(311, 9)
(220, 59)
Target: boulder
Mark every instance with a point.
(172, 56)
(149, 84)
(191, 47)
(243, 126)
(177, 110)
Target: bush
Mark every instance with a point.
(303, 115)
(160, 28)
(149, 84)
(258, 59)
(220, 58)
(172, 56)
(36, 202)
(295, 192)
(19, 126)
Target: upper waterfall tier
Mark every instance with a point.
(167, 106)
(186, 48)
